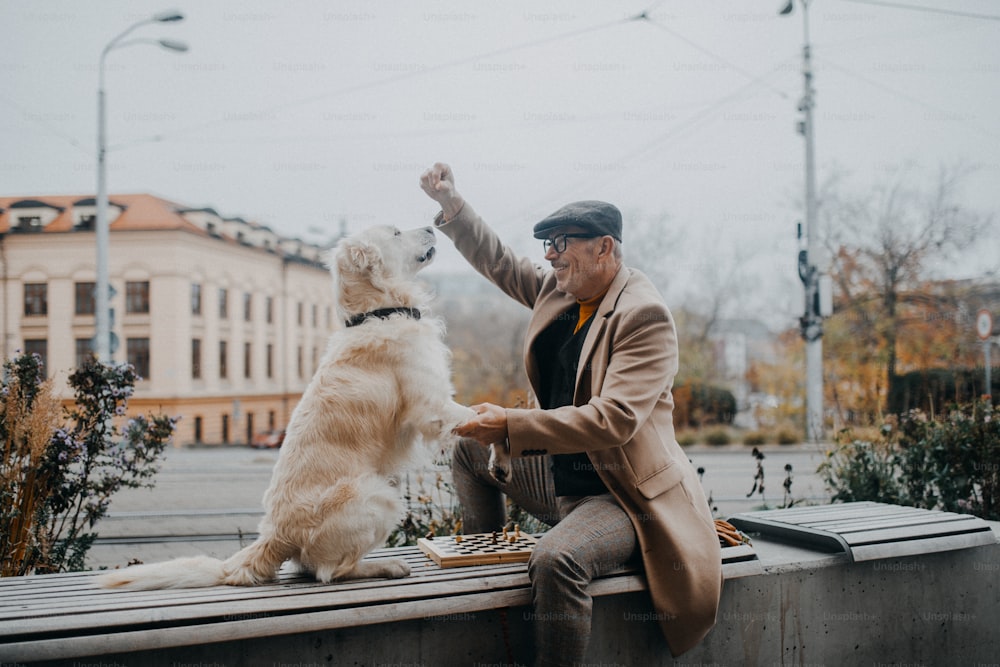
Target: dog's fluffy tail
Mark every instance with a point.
(254, 565)
(195, 572)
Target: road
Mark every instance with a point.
(208, 500)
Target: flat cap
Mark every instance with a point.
(599, 217)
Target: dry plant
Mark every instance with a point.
(31, 415)
(61, 464)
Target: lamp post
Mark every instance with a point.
(816, 285)
(102, 338)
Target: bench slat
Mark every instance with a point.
(207, 613)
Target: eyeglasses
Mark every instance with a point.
(559, 241)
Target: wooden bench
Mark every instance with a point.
(64, 616)
(858, 583)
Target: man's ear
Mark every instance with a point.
(607, 246)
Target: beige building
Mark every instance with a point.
(223, 319)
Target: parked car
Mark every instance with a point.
(268, 439)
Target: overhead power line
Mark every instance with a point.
(736, 68)
(905, 96)
(932, 10)
(41, 120)
(396, 78)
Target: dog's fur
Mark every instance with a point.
(382, 393)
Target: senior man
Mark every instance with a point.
(597, 459)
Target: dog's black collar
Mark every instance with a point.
(383, 313)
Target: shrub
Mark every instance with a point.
(952, 462)
(60, 467)
(717, 436)
(697, 404)
(929, 389)
(686, 438)
(787, 436)
(948, 463)
(859, 470)
(754, 438)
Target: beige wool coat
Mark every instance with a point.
(622, 417)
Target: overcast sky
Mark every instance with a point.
(303, 114)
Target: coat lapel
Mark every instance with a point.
(600, 318)
(550, 305)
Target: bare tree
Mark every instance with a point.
(702, 285)
(882, 244)
(653, 245)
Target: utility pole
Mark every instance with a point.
(816, 285)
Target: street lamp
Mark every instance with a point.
(815, 283)
(102, 338)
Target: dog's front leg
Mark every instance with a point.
(444, 422)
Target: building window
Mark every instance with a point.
(223, 356)
(249, 428)
(271, 420)
(247, 307)
(315, 315)
(198, 428)
(137, 354)
(137, 297)
(247, 358)
(36, 299)
(39, 346)
(195, 298)
(223, 303)
(301, 309)
(225, 429)
(85, 298)
(84, 351)
(270, 309)
(299, 362)
(29, 223)
(270, 360)
(196, 358)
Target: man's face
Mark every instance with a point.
(575, 267)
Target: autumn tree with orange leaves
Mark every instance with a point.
(890, 314)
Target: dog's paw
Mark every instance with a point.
(383, 568)
(455, 414)
(499, 466)
(393, 568)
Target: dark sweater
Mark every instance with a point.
(557, 350)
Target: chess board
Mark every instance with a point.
(477, 549)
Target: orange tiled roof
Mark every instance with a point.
(142, 212)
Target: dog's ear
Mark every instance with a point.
(358, 256)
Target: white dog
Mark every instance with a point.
(382, 393)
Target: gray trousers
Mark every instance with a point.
(590, 535)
